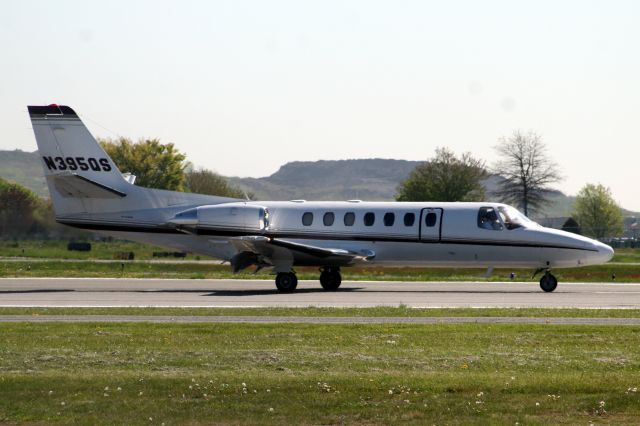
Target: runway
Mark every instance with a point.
(113, 292)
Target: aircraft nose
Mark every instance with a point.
(605, 252)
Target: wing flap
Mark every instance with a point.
(266, 248)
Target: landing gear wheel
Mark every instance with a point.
(286, 282)
(330, 279)
(548, 282)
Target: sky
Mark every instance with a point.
(243, 87)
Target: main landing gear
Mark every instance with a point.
(286, 282)
(330, 280)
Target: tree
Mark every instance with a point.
(155, 165)
(204, 181)
(17, 209)
(444, 178)
(597, 213)
(527, 169)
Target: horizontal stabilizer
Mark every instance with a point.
(74, 185)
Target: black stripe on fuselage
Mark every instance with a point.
(377, 238)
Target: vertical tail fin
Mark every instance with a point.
(75, 165)
(85, 184)
(66, 146)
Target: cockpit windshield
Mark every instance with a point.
(498, 218)
(512, 218)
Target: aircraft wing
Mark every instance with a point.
(263, 250)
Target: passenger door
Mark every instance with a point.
(431, 224)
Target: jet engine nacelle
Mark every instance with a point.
(232, 216)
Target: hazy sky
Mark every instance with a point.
(244, 86)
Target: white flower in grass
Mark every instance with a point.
(271, 409)
(537, 404)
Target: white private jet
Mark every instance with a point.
(89, 192)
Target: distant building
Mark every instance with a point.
(565, 223)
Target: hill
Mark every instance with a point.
(365, 179)
(23, 168)
(373, 179)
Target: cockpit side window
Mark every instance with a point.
(488, 219)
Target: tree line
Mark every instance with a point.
(155, 165)
(162, 166)
(527, 173)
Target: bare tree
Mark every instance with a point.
(527, 169)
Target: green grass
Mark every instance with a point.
(380, 311)
(57, 249)
(59, 262)
(194, 270)
(626, 255)
(318, 374)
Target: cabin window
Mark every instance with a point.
(388, 219)
(307, 219)
(488, 219)
(430, 219)
(349, 218)
(369, 219)
(328, 218)
(409, 219)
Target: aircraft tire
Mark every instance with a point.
(330, 280)
(286, 282)
(548, 282)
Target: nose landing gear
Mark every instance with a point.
(548, 282)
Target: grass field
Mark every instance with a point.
(108, 250)
(318, 374)
(380, 311)
(194, 270)
(99, 262)
(137, 373)
(57, 249)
